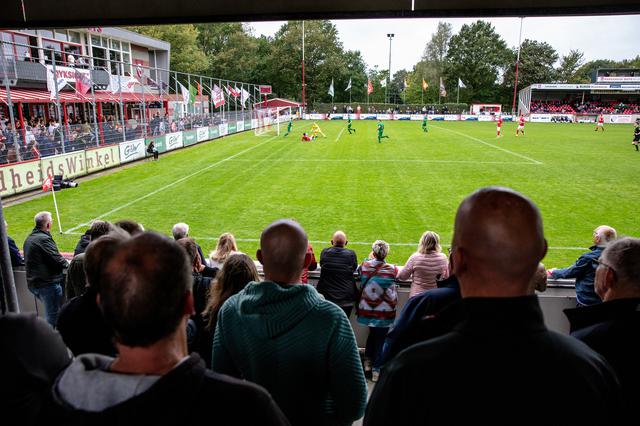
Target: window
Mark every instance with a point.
(61, 35)
(74, 37)
(99, 57)
(46, 33)
(115, 44)
(115, 58)
(55, 47)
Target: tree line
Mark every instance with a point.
(477, 55)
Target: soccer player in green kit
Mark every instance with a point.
(381, 131)
(289, 127)
(424, 124)
(349, 128)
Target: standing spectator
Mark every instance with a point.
(145, 295)
(284, 336)
(132, 227)
(236, 273)
(313, 265)
(377, 306)
(584, 269)
(226, 247)
(83, 242)
(426, 265)
(44, 265)
(14, 252)
(611, 328)
(337, 265)
(500, 356)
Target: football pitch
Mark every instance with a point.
(394, 190)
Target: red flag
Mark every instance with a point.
(369, 88)
(47, 184)
(83, 83)
(199, 89)
(234, 92)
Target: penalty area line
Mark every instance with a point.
(339, 134)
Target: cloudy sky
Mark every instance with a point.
(599, 37)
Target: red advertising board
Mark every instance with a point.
(265, 90)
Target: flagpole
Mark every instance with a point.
(144, 104)
(515, 84)
(303, 88)
(55, 82)
(95, 116)
(122, 106)
(458, 97)
(55, 204)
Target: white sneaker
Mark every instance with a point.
(375, 375)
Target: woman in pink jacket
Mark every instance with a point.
(426, 265)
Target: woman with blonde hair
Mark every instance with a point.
(237, 271)
(426, 265)
(226, 246)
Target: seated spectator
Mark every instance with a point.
(132, 227)
(145, 296)
(14, 251)
(500, 356)
(181, 230)
(236, 273)
(584, 269)
(611, 328)
(426, 265)
(285, 337)
(313, 265)
(337, 265)
(76, 280)
(225, 247)
(32, 356)
(81, 323)
(377, 305)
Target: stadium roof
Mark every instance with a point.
(83, 13)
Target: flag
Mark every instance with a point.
(369, 87)
(244, 95)
(218, 96)
(185, 94)
(199, 86)
(83, 83)
(160, 86)
(383, 83)
(443, 91)
(405, 83)
(331, 88)
(47, 184)
(192, 94)
(425, 86)
(461, 84)
(51, 84)
(348, 86)
(233, 91)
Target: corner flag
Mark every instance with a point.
(47, 184)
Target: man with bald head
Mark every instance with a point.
(337, 265)
(499, 358)
(584, 269)
(287, 338)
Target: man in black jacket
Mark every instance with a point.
(337, 265)
(145, 296)
(44, 265)
(16, 257)
(612, 327)
(500, 358)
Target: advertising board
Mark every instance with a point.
(132, 150)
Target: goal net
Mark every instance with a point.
(267, 121)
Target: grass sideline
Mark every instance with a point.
(395, 190)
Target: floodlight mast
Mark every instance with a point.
(515, 84)
(386, 88)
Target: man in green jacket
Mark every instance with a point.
(44, 265)
(284, 336)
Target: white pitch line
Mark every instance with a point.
(349, 160)
(172, 184)
(491, 145)
(339, 134)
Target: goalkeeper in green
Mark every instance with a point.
(289, 127)
(349, 128)
(424, 124)
(381, 131)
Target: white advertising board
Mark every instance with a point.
(173, 140)
(132, 150)
(223, 129)
(202, 134)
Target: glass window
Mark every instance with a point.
(125, 46)
(22, 52)
(61, 35)
(95, 41)
(74, 37)
(99, 57)
(126, 58)
(46, 33)
(114, 57)
(50, 46)
(115, 44)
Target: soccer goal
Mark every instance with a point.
(266, 121)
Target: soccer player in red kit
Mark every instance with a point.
(520, 128)
(499, 129)
(600, 124)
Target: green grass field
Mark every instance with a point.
(393, 191)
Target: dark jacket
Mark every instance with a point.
(87, 393)
(337, 283)
(82, 326)
(420, 319)
(499, 365)
(584, 271)
(43, 261)
(612, 329)
(83, 243)
(76, 280)
(16, 257)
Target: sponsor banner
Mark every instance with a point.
(384, 116)
(20, 177)
(254, 123)
(231, 127)
(436, 117)
(619, 119)
(452, 117)
(132, 150)
(540, 118)
(417, 117)
(619, 79)
(466, 117)
(67, 74)
(240, 126)
(485, 118)
(173, 140)
(223, 129)
(507, 118)
(214, 132)
(68, 165)
(367, 116)
(127, 84)
(189, 137)
(248, 124)
(315, 116)
(265, 90)
(159, 142)
(102, 158)
(336, 116)
(202, 134)
(402, 117)
(562, 86)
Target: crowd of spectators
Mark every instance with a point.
(576, 106)
(159, 338)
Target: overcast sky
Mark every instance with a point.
(599, 37)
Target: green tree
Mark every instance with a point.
(537, 61)
(585, 72)
(477, 55)
(569, 64)
(437, 48)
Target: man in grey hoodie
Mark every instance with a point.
(146, 298)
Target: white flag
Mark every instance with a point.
(244, 96)
(51, 84)
(185, 94)
(331, 88)
(348, 86)
(383, 83)
(461, 84)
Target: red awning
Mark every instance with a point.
(43, 96)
